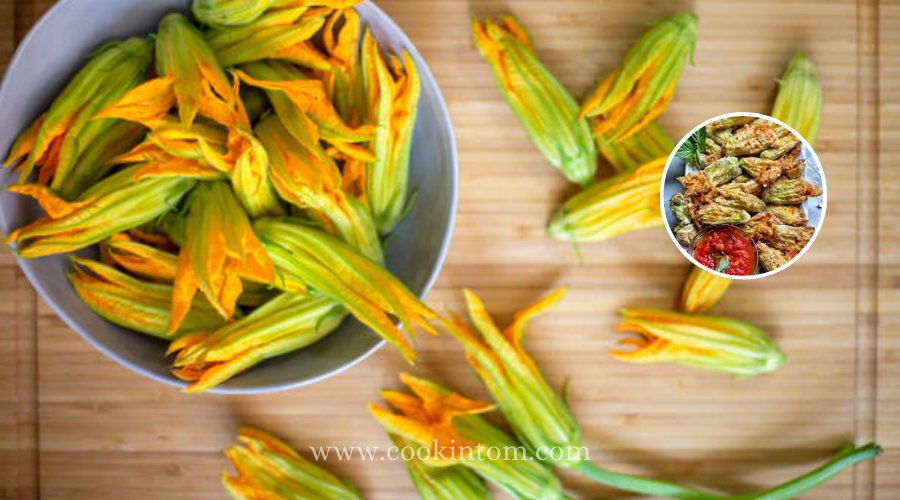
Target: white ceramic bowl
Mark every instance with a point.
(51, 53)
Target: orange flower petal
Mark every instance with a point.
(147, 103)
(54, 206)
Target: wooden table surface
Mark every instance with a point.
(73, 424)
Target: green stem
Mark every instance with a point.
(642, 485)
(847, 457)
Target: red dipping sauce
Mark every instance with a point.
(714, 244)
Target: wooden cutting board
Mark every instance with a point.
(73, 424)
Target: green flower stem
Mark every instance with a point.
(847, 457)
(642, 485)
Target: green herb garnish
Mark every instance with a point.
(722, 266)
(693, 147)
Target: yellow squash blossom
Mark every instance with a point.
(799, 99)
(537, 415)
(277, 34)
(252, 182)
(647, 144)
(710, 342)
(642, 87)
(289, 111)
(223, 13)
(268, 468)
(625, 202)
(148, 260)
(170, 139)
(316, 183)
(189, 76)
(226, 13)
(219, 248)
(360, 284)
(183, 56)
(344, 82)
(139, 259)
(283, 324)
(148, 104)
(115, 204)
(55, 140)
(246, 161)
(392, 94)
(209, 151)
(454, 482)
(702, 290)
(95, 160)
(296, 98)
(450, 427)
(134, 304)
(546, 110)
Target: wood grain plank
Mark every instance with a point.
(18, 378)
(867, 242)
(887, 196)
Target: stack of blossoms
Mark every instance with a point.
(239, 160)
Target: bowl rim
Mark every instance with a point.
(427, 79)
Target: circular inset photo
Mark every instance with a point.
(743, 195)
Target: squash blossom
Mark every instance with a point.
(536, 414)
(155, 263)
(702, 290)
(278, 34)
(538, 417)
(134, 304)
(219, 248)
(448, 425)
(296, 98)
(267, 467)
(709, 342)
(799, 99)
(546, 110)
(315, 183)
(344, 82)
(148, 103)
(281, 325)
(647, 144)
(115, 204)
(250, 178)
(168, 138)
(625, 202)
(56, 139)
(454, 482)
(139, 259)
(360, 284)
(172, 150)
(392, 96)
(643, 85)
(95, 160)
(184, 58)
(226, 148)
(225, 13)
